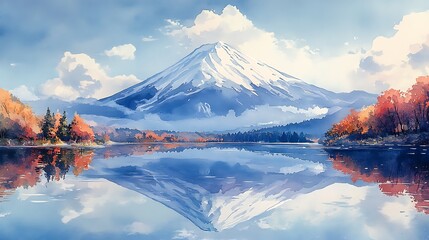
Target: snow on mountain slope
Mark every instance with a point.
(216, 79)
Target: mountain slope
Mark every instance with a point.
(216, 79)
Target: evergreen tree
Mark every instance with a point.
(63, 131)
(294, 138)
(302, 137)
(48, 126)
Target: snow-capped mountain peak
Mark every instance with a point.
(216, 79)
(217, 64)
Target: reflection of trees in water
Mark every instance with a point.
(24, 167)
(398, 172)
(57, 162)
(147, 148)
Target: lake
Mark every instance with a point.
(214, 191)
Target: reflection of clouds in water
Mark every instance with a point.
(91, 206)
(95, 195)
(313, 208)
(315, 168)
(400, 212)
(262, 161)
(5, 214)
(345, 211)
(115, 209)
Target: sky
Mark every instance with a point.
(77, 48)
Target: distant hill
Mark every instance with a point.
(313, 127)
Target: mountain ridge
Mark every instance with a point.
(216, 79)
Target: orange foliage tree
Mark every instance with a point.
(80, 131)
(16, 119)
(395, 112)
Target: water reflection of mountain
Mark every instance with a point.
(398, 171)
(21, 167)
(216, 194)
(218, 186)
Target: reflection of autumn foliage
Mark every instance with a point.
(82, 161)
(148, 148)
(16, 119)
(18, 170)
(24, 167)
(395, 112)
(396, 173)
(105, 134)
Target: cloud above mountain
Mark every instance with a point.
(390, 62)
(395, 61)
(125, 51)
(79, 75)
(233, 27)
(292, 56)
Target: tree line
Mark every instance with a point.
(257, 136)
(395, 112)
(55, 128)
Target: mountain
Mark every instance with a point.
(215, 80)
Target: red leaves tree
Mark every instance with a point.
(419, 99)
(389, 111)
(395, 112)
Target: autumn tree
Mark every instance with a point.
(395, 112)
(80, 131)
(389, 111)
(419, 99)
(17, 120)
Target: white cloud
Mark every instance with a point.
(2, 215)
(81, 76)
(139, 228)
(260, 116)
(396, 61)
(24, 93)
(149, 39)
(291, 56)
(12, 64)
(185, 234)
(125, 52)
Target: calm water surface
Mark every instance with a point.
(214, 191)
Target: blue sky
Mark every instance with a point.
(327, 43)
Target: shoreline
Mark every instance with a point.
(404, 140)
(70, 146)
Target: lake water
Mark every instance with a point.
(214, 191)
